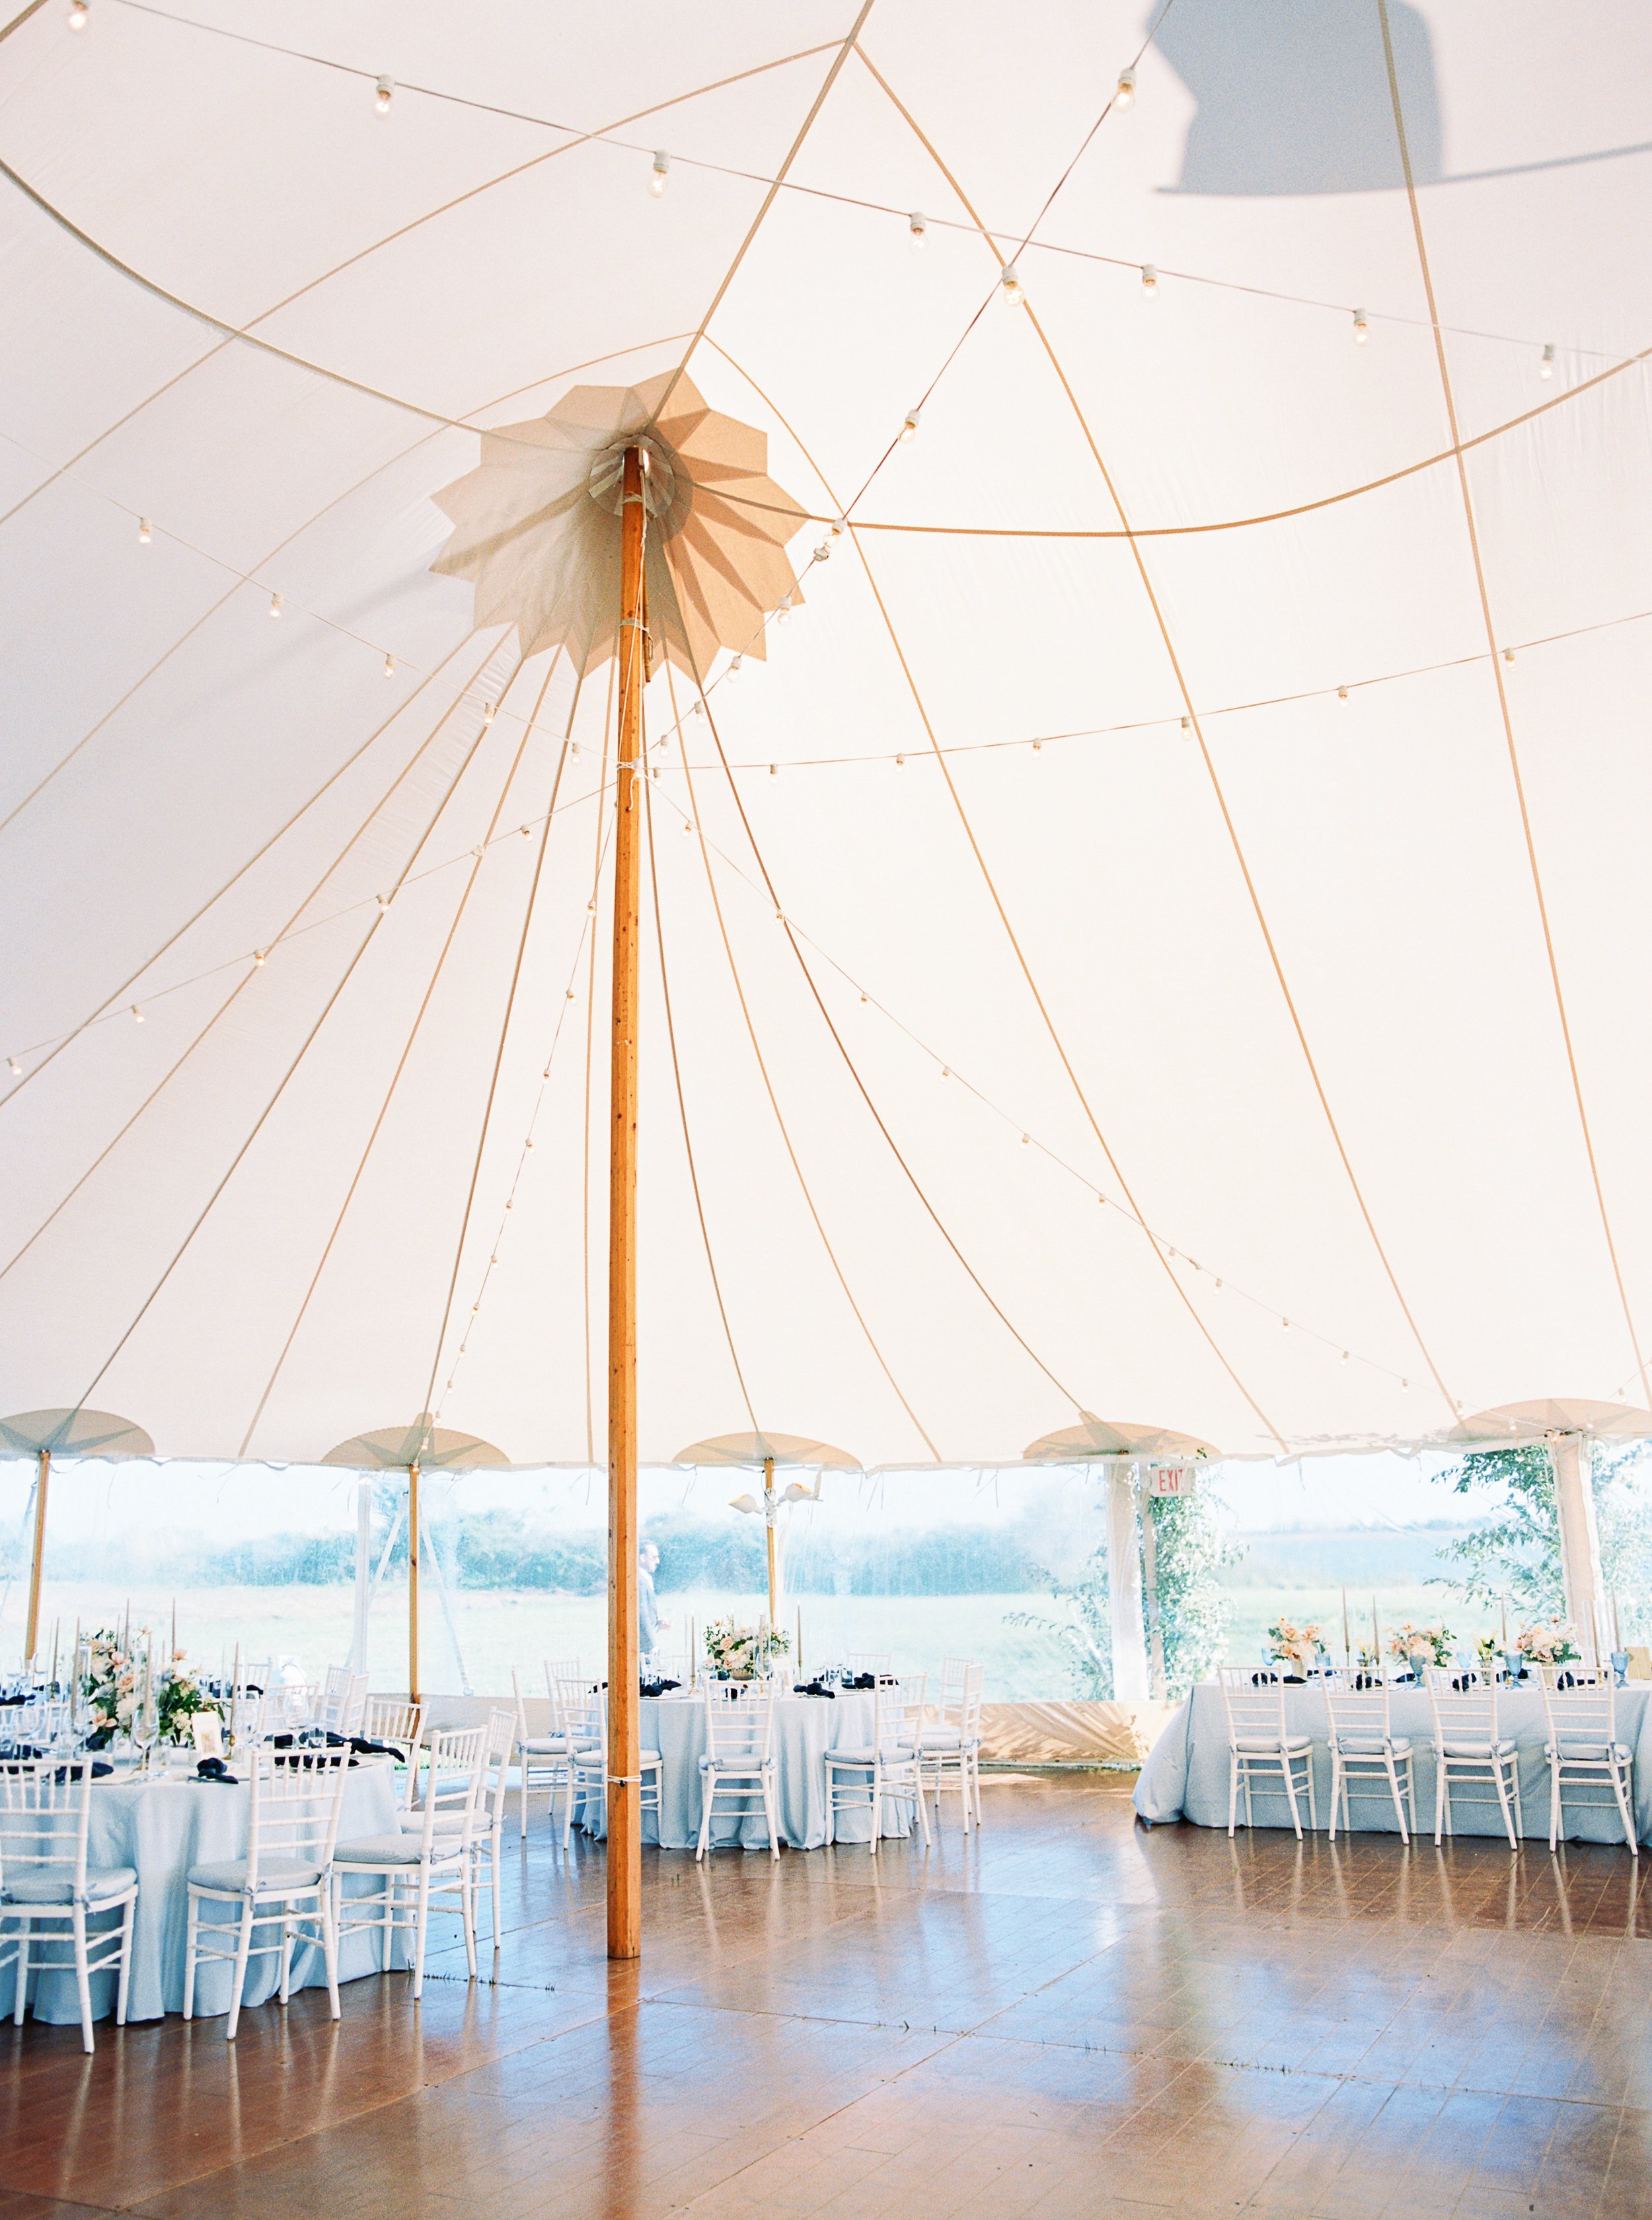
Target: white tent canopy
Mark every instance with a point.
(1265, 889)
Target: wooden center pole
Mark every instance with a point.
(625, 1746)
(413, 1582)
(32, 1631)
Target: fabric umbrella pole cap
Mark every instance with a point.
(434, 1448)
(1108, 1438)
(536, 526)
(78, 1433)
(1520, 1422)
(754, 1450)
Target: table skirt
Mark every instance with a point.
(161, 1828)
(1186, 1774)
(806, 1727)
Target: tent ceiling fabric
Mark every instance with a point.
(1257, 1053)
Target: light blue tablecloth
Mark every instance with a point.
(163, 1827)
(1186, 1775)
(806, 1727)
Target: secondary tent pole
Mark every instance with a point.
(31, 1631)
(413, 1582)
(625, 1747)
(769, 1531)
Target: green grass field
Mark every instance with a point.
(498, 1628)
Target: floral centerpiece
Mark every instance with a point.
(1295, 1645)
(1420, 1646)
(110, 1688)
(182, 1699)
(1553, 1644)
(737, 1652)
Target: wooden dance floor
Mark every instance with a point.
(1066, 2016)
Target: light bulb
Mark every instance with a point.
(945, 1074)
(908, 426)
(274, 605)
(687, 828)
(1285, 1325)
(487, 714)
(865, 998)
(390, 666)
(146, 532)
(917, 232)
(382, 92)
(383, 901)
(590, 906)
(698, 708)
(1149, 282)
(570, 997)
(1508, 655)
(900, 763)
(1124, 92)
(1024, 1140)
(1546, 365)
(137, 1014)
(1186, 724)
(1404, 1387)
(657, 176)
(1342, 1359)
(774, 770)
(783, 614)
(14, 1067)
(1342, 693)
(573, 751)
(1013, 292)
(823, 554)
(1362, 329)
(528, 1145)
(1218, 1287)
(733, 670)
(526, 832)
(77, 15)
(1037, 746)
(258, 956)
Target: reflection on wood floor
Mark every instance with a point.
(1063, 2015)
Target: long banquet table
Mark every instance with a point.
(1186, 1774)
(162, 1826)
(806, 1727)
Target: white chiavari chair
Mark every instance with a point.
(1584, 1750)
(344, 1698)
(1261, 1746)
(950, 1743)
(1366, 1758)
(284, 1880)
(585, 1709)
(739, 1763)
(400, 1726)
(1469, 1746)
(880, 1661)
(888, 1769)
(430, 1855)
(543, 1758)
(49, 1891)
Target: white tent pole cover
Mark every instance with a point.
(1144, 902)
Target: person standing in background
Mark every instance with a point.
(650, 1624)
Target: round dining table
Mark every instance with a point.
(162, 1823)
(806, 1727)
